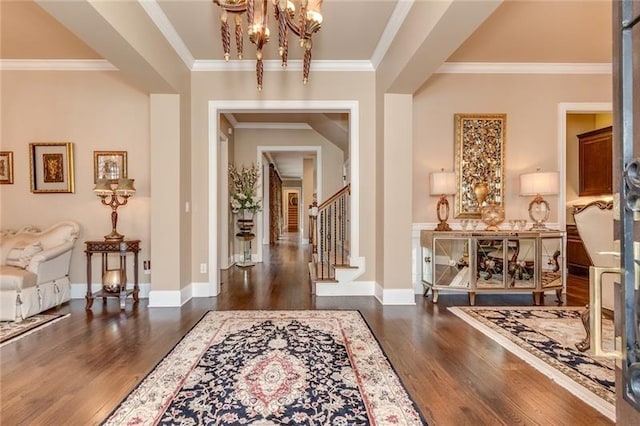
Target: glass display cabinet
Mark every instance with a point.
(489, 261)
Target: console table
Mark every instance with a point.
(105, 248)
(487, 261)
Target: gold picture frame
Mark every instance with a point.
(51, 167)
(110, 165)
(479, 158)
(6, 167)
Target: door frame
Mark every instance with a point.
(565, 108)
(217, 107)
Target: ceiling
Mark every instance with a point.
(354, 34)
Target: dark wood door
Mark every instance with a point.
(626, 178)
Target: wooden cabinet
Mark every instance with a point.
(578, 261)
(595, 162)
(492, 262)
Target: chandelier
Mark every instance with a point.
(303, 25)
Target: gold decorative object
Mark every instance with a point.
(304, 25)
(492, 215)
(111, 280)
(481, 191)
(119, 197)
(479, 159)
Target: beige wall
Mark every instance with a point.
(531, 104)
(247, 141)
(95, 111)
(340, 86)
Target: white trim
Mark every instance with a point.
(523, 68)
(272, 126)
(392, 296)
(200, 290)
(232, 119)
(165, 298)
(159, 18)
(354, 288)
(565, 108)
(396, 20)
(186, 293)
(604, 407)
(261, 150)
(56, 65)
(276, 65)
(79, 290)
(219, 107)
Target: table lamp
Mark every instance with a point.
(538, 184)
(442, 184)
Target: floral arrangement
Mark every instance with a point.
(242, 188)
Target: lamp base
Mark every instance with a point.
(443, 214)
(443, 226)
(114, 236)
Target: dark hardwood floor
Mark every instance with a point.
(77, 370)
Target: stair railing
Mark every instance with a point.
(331, 240)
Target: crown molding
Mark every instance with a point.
(159, 18)
(523, 68)
(272, 126)
(56, 65)
(276, 65)
(396, 20)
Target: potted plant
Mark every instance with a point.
(243, 199)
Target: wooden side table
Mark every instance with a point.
(104, 248)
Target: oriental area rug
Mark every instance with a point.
(545, 338)
(11, 331)
(272, 367)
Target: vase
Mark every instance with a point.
(481, 191)
(245, 222)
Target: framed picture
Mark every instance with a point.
(479, 162)
(110, 165)
(51, 165)
(6, 167)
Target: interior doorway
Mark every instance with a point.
(292, 210)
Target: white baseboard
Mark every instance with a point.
(167, 298)
(79, 291)
(202, 290)
(355, 288)
(401, 296)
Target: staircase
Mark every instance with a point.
(330, 237)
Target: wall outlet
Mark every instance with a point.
(203, 268)
(146, 267)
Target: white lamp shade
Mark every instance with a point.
(543, 183)
(442, 183)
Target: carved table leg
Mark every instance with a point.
(435, 295)
(559, 295)
(585, 344)
(472, 298)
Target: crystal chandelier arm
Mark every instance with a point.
(239, 38)
(307, 62)
(224, 32)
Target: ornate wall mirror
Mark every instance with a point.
(479, 162)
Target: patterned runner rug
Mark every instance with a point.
(11, 331)
(272, 367)
(545, 337)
